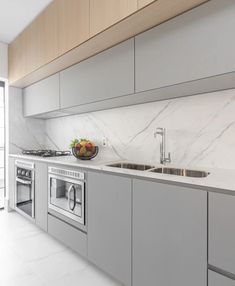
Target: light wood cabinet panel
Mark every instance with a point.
(73, 17)
(42, 38)
(104, 13)
(17, 58)
(142, 3)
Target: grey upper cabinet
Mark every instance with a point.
(42, 97)
(11, 182)
(222, 231)
(109, 224)
(107, 75)
(215, 279)
(41, 197)
(169, 235)
(195, 45)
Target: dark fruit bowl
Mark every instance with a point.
(75, 154)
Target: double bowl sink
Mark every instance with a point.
(162, 170)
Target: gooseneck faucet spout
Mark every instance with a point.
(163, 158)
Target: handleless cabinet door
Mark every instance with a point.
(216, 279)
(169, 235)
(222, 231)
(107, 75)
(188, 47)
(11, 182)
(109, 224)
(142, 3)
(42, 96)
(73, 23)
(105, 13)
(41, 198)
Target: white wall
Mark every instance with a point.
(3, 60)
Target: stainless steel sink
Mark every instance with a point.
(139, 167)
(181, 172)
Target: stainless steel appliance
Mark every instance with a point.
(46, 153)
(25, 188)
(66, 193)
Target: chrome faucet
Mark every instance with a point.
(163, 158)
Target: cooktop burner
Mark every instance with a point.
(46, 153)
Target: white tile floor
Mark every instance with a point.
(28, 256)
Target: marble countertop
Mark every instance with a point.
(219, 180)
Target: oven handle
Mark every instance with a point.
(69, 200)
(23, 181)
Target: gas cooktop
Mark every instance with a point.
(46, 153)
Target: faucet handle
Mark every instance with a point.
(159, 131)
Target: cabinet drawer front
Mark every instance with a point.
(107, 75)
(216, 279)
(222, 231)
(70, 236)
(42, 96)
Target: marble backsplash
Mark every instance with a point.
(24, 133)
(200, 130)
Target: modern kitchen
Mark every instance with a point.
(117, 143)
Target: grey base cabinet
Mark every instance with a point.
(222, 231)
(215, 279)
(109, 224)
(41, 195)
(68, 235)
(169, 235)
(11, 182)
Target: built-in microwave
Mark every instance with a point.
(66, 193)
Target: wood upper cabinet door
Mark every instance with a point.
(222, 231)
(215, 279)
(142, 3)
(104, 13)
(169, 235)
(17, 58)
(73, 23)
(42, 38)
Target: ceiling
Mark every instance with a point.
(15, 15)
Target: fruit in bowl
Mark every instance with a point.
(84, 149)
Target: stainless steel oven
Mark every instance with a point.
(25, 188)
(66, 193)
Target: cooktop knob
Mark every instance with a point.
(27, 174)
(23, 172)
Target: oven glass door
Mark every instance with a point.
(67, 197)
(25, 196)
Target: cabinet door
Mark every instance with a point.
(216, 279)
(142, 3)
(109, 224)
(107, 75)
(185, 48)
(105, 13)
(42, 96)
(222, 231)
(169, 235)
(41, 198)
(73, 23)
(11, 182)
(17, 58)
